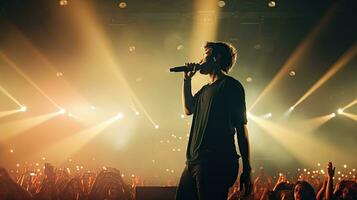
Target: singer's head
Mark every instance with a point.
(218, 57)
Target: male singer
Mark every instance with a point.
(219, 112)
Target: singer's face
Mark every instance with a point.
(207, 65)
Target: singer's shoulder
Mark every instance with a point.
(233, 82)
(234, 86)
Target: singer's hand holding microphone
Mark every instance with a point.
(190, 73)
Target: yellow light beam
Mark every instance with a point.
(350, 104)
(84, 17)
(299, 52)
(341, 62)
(350, 115)
(11, 129)
(9, 112)
(205, 24)
(28, 79)
(26, 44)
(10, 96)
(75, 142)
(316, 122)
(301, 145)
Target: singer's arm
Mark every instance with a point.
(187, 98)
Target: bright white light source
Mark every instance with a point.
(137, 113)
(120, 115)
(132, 48)
(272, 4)
(182, 116)
(63, 2)
(292, 73)
(156, 126)
(339, 111)
(249, 79)
(291, 108)
(180, 47)
(123, 5)
(62, 111)
(221, 4)
(333, 114)
(23, 109)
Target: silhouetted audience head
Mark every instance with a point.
(304, 191)
(346, 190)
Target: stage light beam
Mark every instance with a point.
(8, 112)
(341, 62)
(298, 53)
(78, 140)
(9, 95)
(350, 115)
(27, 78)
(14, 128)
(350, 104)
(301, 144)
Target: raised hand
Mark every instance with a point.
(330, 170)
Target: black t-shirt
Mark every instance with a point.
(218, 109)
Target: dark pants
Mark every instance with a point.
(207, 181)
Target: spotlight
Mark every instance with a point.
(11, 151)
(248, 114)
(132, 48)
(221, 4)
(291, 108)
(272, 3)
(180, 47)
(62, 111)
(120, 115)
(23, 109)
(59, 74)
(137, 113)
(249, 79)
(63, 2)
(123, 5)
(269, 115)
(339, 111)
(156, 126)
(333, 114)
(292, 73)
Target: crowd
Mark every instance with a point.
(108, 184)
(306, 185)
(61, 184)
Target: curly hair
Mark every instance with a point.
(227, 53)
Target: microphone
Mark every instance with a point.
(184, 68)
